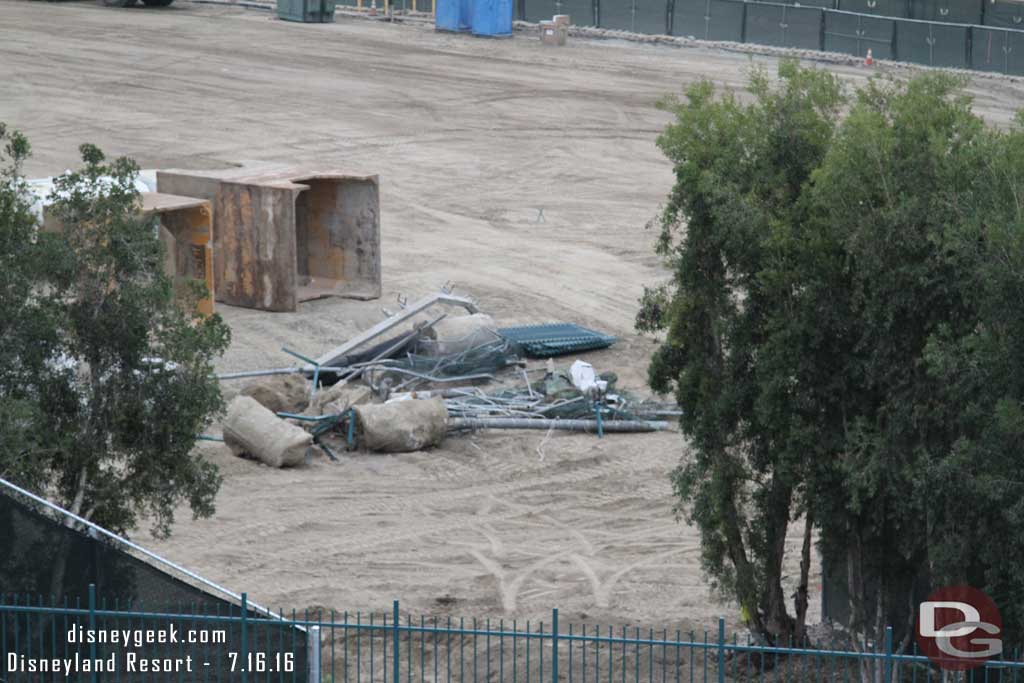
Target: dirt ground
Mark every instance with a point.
(524, 175)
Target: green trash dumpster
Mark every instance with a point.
(308, 11)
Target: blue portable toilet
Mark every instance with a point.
(453, 15)
(492, 17)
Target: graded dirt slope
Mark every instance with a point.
(524, 174)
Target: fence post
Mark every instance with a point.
(245, 642)
(969, 56)
(821, 31)
(721, 650)
(395, 634)
(887, 676)
(92, 627)
(554, 645)
(313, 654)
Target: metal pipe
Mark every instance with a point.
(313, 654)
(305, 418)
(397, 319)
(431, 393)
(413, 373)
(358, 369)
(561, 403)
(276, 371)
(569, 425)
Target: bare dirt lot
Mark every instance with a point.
(472, 139)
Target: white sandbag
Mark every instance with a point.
(252, 429)
(455, 334)
(403, 426)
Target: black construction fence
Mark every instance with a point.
(987, 35)
(55, 580)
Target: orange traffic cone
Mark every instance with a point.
(868, 61)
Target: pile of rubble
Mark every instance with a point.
(420, 375)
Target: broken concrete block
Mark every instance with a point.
(251, 429)
(402, 426)
(336, 399)
(280, 393)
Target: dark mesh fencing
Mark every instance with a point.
(855, 34)
(941, 33)
(1004, 13)
(947, 11)
(641, 16)
(1001, 50)
(880, 8)
(784, 25)
(41, 557)
(581, 12)
(933, 44)
(709, 19)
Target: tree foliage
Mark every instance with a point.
(105, 378)
(843, 329)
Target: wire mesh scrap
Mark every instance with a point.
(479, 362)
(555, 339)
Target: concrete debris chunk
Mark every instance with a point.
(337, 399)
(251, 429)
(403, 426)
(280, 393)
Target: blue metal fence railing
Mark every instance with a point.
(43, 641)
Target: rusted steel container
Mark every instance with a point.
(282, 236)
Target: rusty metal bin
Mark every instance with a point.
(282, 236)
(185, 230)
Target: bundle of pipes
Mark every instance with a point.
(527, 409)
(530, 404)
(594, 426)
(508, 404)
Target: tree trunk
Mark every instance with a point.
(779, 625)
(805, 571)
(61, 560)
(856, 592)
(738, 556)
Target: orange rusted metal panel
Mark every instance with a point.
(282, 236)
(186, 229)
